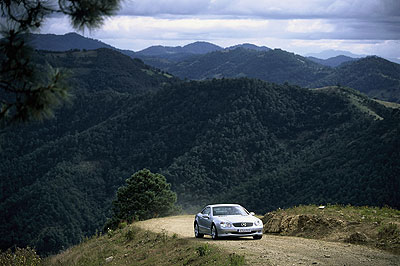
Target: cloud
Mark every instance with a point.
(271, 9)
(308, 26)
(274, 23)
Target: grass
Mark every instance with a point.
(131, 245)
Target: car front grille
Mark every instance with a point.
(243, 233)
(243, 224)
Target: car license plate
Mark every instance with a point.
(244, 230)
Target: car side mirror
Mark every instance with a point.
(205, 216)
(252, 213)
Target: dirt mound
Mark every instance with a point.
(305, 225)
(318, 226)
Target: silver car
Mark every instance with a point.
(227, 220)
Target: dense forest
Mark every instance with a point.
(242, 140)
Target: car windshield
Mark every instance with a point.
(229, 210)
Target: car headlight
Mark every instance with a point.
(225, 224)
(258, 223)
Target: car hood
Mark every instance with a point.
(237, 218)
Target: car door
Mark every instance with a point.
(204, 220)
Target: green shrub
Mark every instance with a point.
(122, 225)
(130, 234)
(22, 256)
(203, 250)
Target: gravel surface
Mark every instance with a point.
(279, 250)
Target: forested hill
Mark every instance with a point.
(274, 66)
(69, 41)
(102, 69)
(372, 75)
(230, 140)
(50, 195)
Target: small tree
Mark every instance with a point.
(26, 91)
(146, 195)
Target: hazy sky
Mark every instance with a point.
(301, 26)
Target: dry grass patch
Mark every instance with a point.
(134, 246)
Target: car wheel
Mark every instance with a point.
(257, 236)
(197, 231)
(214, 232)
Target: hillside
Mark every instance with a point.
(374, 76)
(61, 207)
(104, 69)
(260, 144)
(131, 245)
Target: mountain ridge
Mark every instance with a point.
(263, 145)
(219, 140)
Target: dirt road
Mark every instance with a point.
(279, 250)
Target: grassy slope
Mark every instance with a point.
(371, 226)
(134, 246)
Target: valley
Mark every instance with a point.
(227, 135)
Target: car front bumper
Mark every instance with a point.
(239, 231)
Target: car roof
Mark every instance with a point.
(218, 205)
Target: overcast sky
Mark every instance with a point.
(300, 26)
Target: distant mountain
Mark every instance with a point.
(250, 47)
(163, 56)
(333, 53)
(274, 65)
(333, 61)
(69, 41)
(179, 51)
(201, 48)
(374, 76)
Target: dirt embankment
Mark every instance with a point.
(279, 250)
(333, 229)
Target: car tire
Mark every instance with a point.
(214, 232)
(257, 236)
(197, 233)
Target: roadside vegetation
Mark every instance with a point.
(371, 226)
(130, 245)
